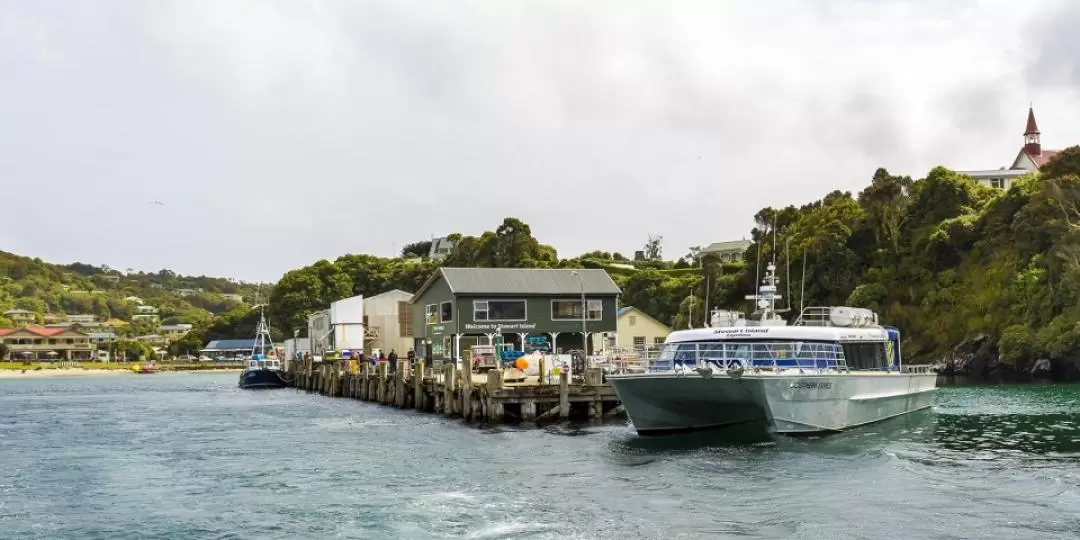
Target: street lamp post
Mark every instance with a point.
(584, 312)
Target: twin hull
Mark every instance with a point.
(661, 403)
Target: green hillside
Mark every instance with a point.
(986, 280)
(52, 291)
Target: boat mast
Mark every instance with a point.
(262, 332)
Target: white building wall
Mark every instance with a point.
(347, 318)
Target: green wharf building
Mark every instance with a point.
(531, 308)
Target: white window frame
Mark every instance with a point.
(428, 312)
(486, 309)
(590, 304)
(441, 304)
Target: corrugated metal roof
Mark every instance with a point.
(230, 345)
(624, 309)
(528, 281)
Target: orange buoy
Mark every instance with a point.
(521, 364)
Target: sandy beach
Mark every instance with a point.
(77, 372)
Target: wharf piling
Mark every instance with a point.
(475, 397)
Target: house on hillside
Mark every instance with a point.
(638, 329)
(440, 248)
(144, 312)
(1029, 159)
(726, 252)
(172, 332)
(19, 317)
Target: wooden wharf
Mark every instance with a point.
(475, 397)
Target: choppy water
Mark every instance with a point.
(190, 456)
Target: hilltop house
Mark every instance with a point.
(726, 252)
(1030, 158)
(440, 248)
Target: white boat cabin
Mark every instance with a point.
(822, 338)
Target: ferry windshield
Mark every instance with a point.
(744, 353)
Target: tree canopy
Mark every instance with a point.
(942, 258)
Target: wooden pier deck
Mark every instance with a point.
(475, 397)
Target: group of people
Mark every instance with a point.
(392, 359)
(382, 357)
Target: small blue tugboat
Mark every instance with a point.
(262, 372)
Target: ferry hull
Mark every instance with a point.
(664, 403)
(261, 378)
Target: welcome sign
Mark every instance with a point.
(508, 327)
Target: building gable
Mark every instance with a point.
(1024, 161)
(627, 311)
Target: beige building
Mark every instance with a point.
(39, 343)
(636, 329)
(388, 322)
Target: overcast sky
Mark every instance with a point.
(276, 133)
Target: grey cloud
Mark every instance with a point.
(1054, 60)
(333, 127)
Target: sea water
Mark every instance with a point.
(182, 456)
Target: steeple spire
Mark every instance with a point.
(1032, 146)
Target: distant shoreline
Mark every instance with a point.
(80, 372)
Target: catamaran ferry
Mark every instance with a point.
(833, 369)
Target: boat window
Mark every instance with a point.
(865, 355)
(775, 353)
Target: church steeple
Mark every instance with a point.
(1032, 146)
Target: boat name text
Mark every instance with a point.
(741, 331)
(811, 385)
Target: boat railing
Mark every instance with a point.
(836, 316)
(757, 356)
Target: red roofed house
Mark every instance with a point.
(38, 343)
(1030, 158)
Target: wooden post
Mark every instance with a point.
(542, 379)
(364, 374)
(466, 393)
(380, 391)
(528, 411)
(465, 376)
(418, 386)
(399, 383)
(449, 381)
(495, 408)
(564, 395)
(594, 376)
